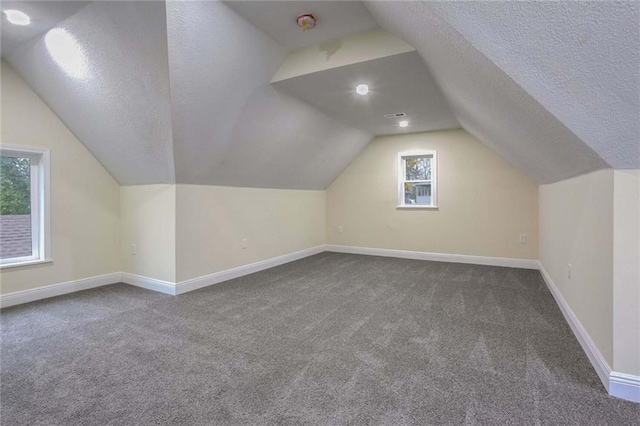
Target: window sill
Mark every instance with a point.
(416, 207)
(25, 263)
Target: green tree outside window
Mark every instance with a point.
(15, 186)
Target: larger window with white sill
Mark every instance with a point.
(417, 180)
(24, 205)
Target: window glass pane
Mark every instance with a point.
(418, 168)
(15, 207)
(417, 193)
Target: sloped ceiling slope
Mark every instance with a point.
(104, 72)
(487, 102)
(580, 60)
(180, 92)
(230, 127)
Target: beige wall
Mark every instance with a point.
(576, 227)
(148, 220)
(484, 203)
(626, 271)
(85, 199)
(213, 220)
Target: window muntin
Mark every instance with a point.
(24, 205)
(417, 179)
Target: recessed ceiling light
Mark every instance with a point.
(403, 123)
(17, 18)
(362, 89)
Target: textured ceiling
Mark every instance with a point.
(44, 15)
(110, 85)
(179, 92)
(230, 127)
(217, 114)
(580, 60)
(486, 101)
(397, 83)
(336, 19)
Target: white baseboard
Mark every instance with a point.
(597, 360)
(31, 295)
(149, 283)
(437, 257)
(229, 274)
(218, 277)
(624, 386)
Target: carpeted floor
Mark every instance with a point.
(331, 339)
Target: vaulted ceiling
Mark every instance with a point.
(181, 91)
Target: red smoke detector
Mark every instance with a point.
(306, 21)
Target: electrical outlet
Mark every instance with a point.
(523, 239)
(244, 243)
(569, 271)
(134, 249)
(339, 229)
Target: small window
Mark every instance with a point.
(417, 178)
(24, 205)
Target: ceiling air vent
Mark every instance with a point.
(395, 115)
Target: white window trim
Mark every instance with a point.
(40, 202)
(401, 180)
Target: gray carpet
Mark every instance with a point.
(331, 339)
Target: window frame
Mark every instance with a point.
(402, 156)
(40, 177)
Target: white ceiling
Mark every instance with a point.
(217, 122)
(229, 126)
(398, 83)
(580, 60)
(277, 19)
(179, 92)
(486, 101)
(44, 15)
(120, 107)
